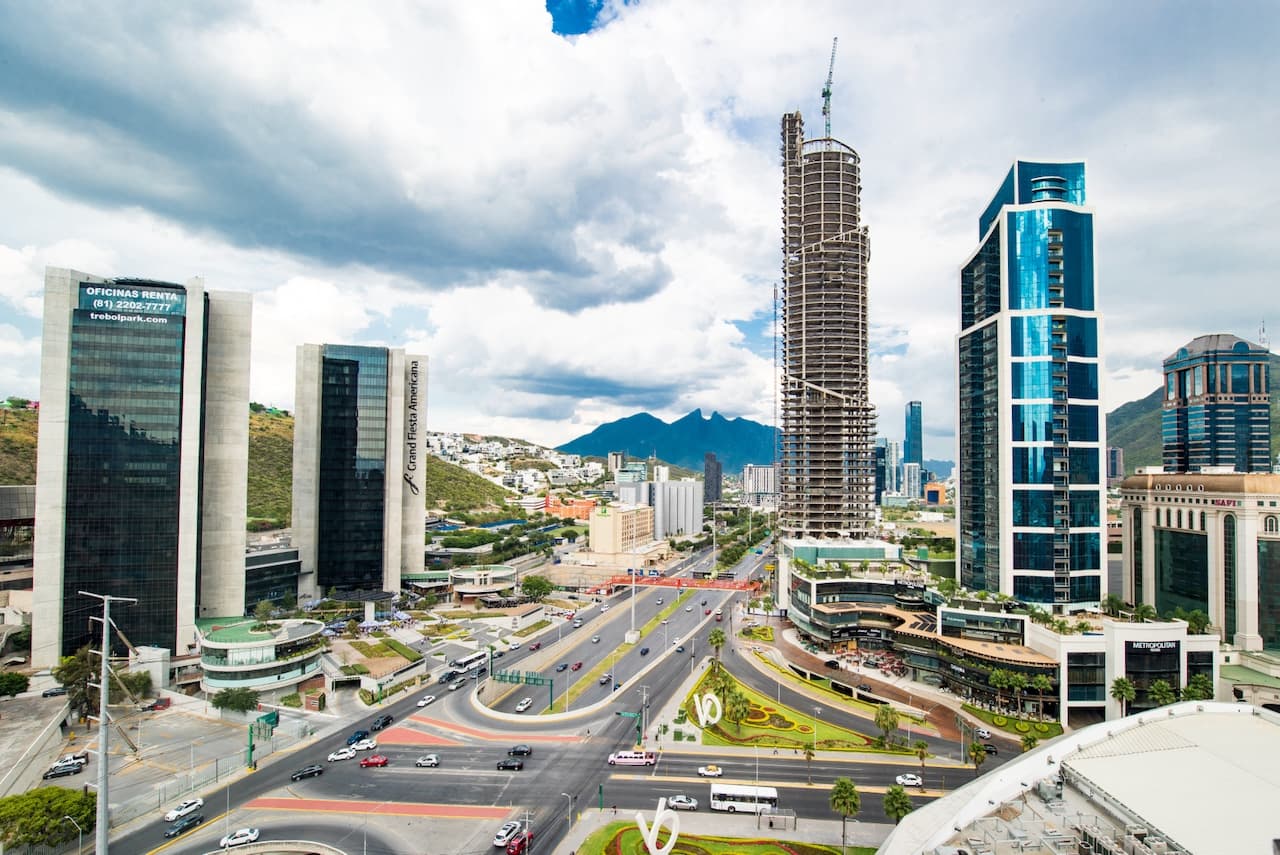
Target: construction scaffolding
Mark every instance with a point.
(826, 449)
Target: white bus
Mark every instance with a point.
(466, 663)
(740, 798)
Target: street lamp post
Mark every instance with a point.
(570, 798)
(79, 834)
(817, 711)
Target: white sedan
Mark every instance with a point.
(366, 745)
(910, 780)
(524, 704)
(426, 699)
(682, 802)
(345, 753)
(183, 809)
(710, 771)
(239, 836)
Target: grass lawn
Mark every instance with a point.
(377, 650)
(1041, 730)
(532, 628)
(623, 838)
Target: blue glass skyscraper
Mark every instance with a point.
(1030, 428)
(913, 440)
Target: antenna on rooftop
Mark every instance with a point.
(1262, 336)
(826, 90)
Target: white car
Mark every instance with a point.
(604, 607)
(982, 733)
(506, 834)
(524, 704)
(515, 645)
(910, 780)
(689, 609)
(682, 803)
(428, 761)
(345, 753)
(183, 809)
(366, 745)
(710, 771)
(426, 700)
(239, 836)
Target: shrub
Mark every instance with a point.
(1022, 727)
(1000, 721)
(294, 700)
(1041, 727)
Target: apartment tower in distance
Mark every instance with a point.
(1031, 493)
(1217, 406)
(913, 439)
(143, 461)
(359, 467)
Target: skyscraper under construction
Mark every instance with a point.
(826, 462)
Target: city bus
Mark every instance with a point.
(740, 798)
(466, 663)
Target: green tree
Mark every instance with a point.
(1197, 622)
(1161, 693)
(998, 679)
(808, 760)
(887, 721)
(1144, 613)
(1199, 688)
(737, 707)
(921, 749)
(1112, 604)
(236, 700)
(1029, 741)
(13, 684)
(846, 801)
(353, 626)
(429, 600)
(536, 587)
(977, 756)
(1123, 690)
(262, 611)
(716, 639)
(75, 672)
(36, 817)
(1042, 684)
(897, 803)
(767, 604)
(1017, 684)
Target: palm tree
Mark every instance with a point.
(1112, 604)
(716, 639)
(1042, 684)
(845, 801)
(998, 679)
(1122, 689)
(886, 720)
(1144, 613)
(1199, 688)
(808, 760)
(1018, 683)
(1029, 741)
(978, 754)
(897, 803)
(922, 751)
(1197, 622)
(737, 707)
(1161, 693)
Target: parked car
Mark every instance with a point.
(682, 802)
(184, 824)
(510, 765)
(833, 663)
(378, 760)
(644, 651)
(563, 666)
(505, 834)
(307, 772)
(426, 700)
(576, 666)
(184, 808)
(865, 687)
(357, 736)
(60, 770)
(381, 722)
(428, 761)
(711, 771)
(342, 754)
(910, 780)
(982, 733)
(524, 704)
(80, 758)
(366, 745)
(519, 751)
(239, 837)
(54, 692)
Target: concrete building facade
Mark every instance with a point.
(143, 459)
(1030, 427)
(359, 467)
(712, 477)
(760, 486)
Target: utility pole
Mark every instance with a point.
(644, 713)
(104, 815)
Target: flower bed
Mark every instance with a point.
(623, 838)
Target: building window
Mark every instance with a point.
(1202, 520)
(1270, 526)
(1136, 569)
(1229, 574)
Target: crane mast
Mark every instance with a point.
(826, 90)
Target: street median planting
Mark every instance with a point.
(624, 838)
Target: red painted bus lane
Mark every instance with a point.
(387, 808)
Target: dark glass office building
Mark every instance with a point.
(131, 499)
(913, 441)
(1031, 430)
(1217, 406)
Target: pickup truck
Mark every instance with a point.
(80, 758)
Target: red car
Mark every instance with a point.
(575, 666)
(374, 760)
(518, 845)
(707, 612)
(537, 645)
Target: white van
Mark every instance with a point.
(633, 758)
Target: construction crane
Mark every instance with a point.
(826, 90)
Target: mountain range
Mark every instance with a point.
(735, 442)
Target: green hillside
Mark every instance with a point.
(18, 446)
(270, 470)
(1135, 426)
(453, 489)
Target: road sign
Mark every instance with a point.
(627, 714)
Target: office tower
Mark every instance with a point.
(1031, 491)
(1115, 462)
(913, 439)
(911, 483)
(359, 467)
(759, 484)
(712, 476)
(1217, 406)
(661, 473)
(893, 467)
(142, 472)
(616, 459)
(827, 471)
(881, 450)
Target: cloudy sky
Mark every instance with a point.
(575, 213)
